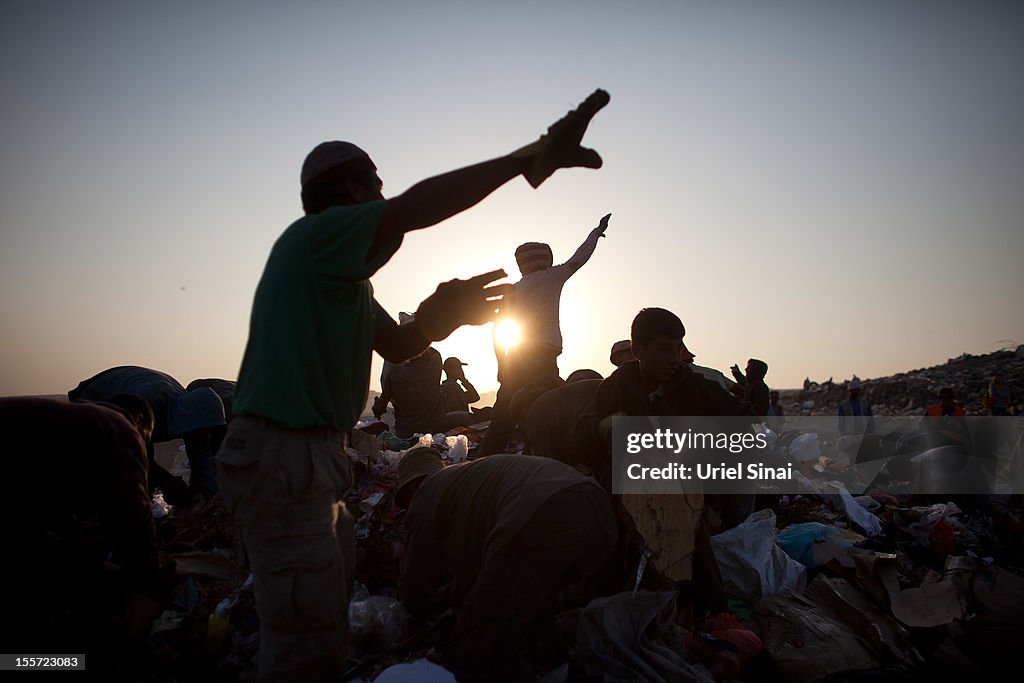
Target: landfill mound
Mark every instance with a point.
(909, 393)
(822, 586)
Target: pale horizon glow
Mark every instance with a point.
(831, 187)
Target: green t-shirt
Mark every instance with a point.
(307, 361)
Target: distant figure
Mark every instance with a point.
(533, 304)
(999, 395)
(946, 407)
(855, 413)
(457, 392)
(751, 387)
(496, 540)
(582, 374)
(414, 387)
(776, 415)
(944, 426)
(621, 353)
(195, 416)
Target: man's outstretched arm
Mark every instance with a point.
(433, 200)
(586, 250)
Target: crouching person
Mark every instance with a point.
(512, 532)
(65, 460)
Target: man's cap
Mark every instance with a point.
(582, 375)
(452, 361)
(327, 156)
(196, 409)
(415, 465)
(947, 392)
(854, 384)
(685, 354)
(620, 347)
(533, 256)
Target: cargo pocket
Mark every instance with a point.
(303, 586)
(331, 466)
(237, 465)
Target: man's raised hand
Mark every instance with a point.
(461, 302)
(560, 146)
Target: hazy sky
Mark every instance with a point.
(833, 187)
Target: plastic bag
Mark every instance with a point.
(378, 622)
(805, 447)
(798, 540)
(161, 508)
(840, 499)
(420, 671)
(751, 563)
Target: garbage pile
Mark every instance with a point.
(821, 585)
(909, 393)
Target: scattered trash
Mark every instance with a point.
(751, 563)
(805, 448)
(161, 508)
(419, 671)
(799, 540)
(840, 499)
(924, 529)
(831, 627)
(377, 623)
(634, 638)
(215, 564)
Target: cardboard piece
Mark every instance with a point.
(199, 563)
(831, 627)
(669, 526)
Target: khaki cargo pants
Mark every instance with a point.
(285, 488)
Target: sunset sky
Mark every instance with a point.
(832, 187)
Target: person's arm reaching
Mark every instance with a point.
(586, 250)
(472, 395)
(453, 304)
(433, 200)
(380, 404)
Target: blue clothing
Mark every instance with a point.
(855, 417)
(178, 414)
(176, 411)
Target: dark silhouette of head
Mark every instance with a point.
(338, 174)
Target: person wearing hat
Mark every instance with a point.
(414, 387)
(662, 381)
(504, 534)
(457, 392)
(621, 353)
(533, 305)
(196, 416)
(946, 407)
(855, 413)
(305, 374)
